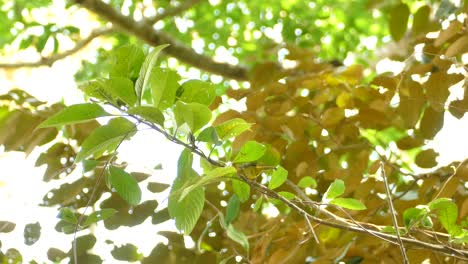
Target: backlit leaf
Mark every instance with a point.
(127, 61)
(278, 177)
(125, 185)
(335, 189)
(241, 189)
(447, 213)
(120, 88)
(195, 115)
(149, 113)
(106, 137)
(99, 215)
(214, 175)
(146, 71)
(197, 91)
(67, 215)
(74, 114)
(232, 128)
(185, 212)
(307, 181)
(164, 84)
(209, 135)
(250, 151)
(348, 203)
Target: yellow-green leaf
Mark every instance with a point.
(74, 114)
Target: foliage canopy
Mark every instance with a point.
(340, 151)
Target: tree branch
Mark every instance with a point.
(48, 61)
(146, 32)
(393, 213)
(187, 4)
(332, 220)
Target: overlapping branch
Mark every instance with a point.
(144, 30)
(332, 219)
(48, 61)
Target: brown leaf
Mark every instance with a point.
(332, 116)
(459, 47)
(228, 115)
(431, 122)
(437, 87)
(389, 82)
(409, 142)
(426, 159)
(448, 33)
(458, 108)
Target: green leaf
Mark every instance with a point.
(447, 213)
(149, 113)
(99, 215)
(146, 70)
(232, 128)
(196, 91)
(238, 236)
(120, 88)
(278, 177)
(271, 157)
(250, 151)
(241, 189)
(186, 211)
(258, 204)
(74, 114)
(164, 84)
(125, 185)
(105, 138)
(335, 189)
(232, 209)
(209, 135)
(287, 195)
(348, 203)
(399, 21)
(127, 61)
(67, 215)
(307, 181)
(96, 89)
(411, 216)
(210, 177)
(195, 115)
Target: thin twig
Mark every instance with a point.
(449, 179)
(48, 61)
(334, 221)
(394, 218)
(93, 194)
(312, 230)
